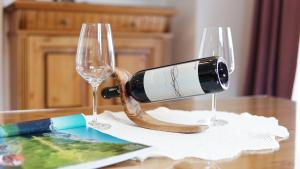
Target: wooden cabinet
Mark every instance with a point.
(43, 41)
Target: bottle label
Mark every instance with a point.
(173, 82)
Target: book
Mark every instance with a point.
(62, 142)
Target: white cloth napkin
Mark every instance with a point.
(244, 132)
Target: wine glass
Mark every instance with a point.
(217, 41)
(95, 60)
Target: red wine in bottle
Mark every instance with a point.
(191, 78)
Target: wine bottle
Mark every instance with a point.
(195, 77)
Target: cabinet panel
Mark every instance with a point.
(126, 60)
(63, 84)
(35, 84)
(52, 79)
(132, 51)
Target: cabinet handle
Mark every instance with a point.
(133, 24)
(63, 22)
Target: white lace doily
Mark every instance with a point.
(244, 132)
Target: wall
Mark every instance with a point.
(4, 56)
(184, 27)
(234, 13)
(7, 2)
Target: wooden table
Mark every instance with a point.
(284, 110)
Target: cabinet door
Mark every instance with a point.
(52, 80)
(51, 77)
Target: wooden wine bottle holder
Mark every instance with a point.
(135, 113)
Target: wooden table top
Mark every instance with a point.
(284, 110)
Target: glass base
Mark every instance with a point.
(218, 122)
(99, 126)
(212, 165)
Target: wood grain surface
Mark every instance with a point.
(284, 110)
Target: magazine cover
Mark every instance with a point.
(61, 142)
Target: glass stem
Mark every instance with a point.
(213, 107)
(95, 103)
(214, 103)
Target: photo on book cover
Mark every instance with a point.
(61, 142)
